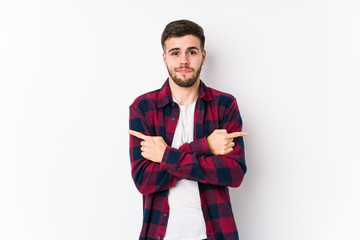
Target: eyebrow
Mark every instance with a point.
(189, 48)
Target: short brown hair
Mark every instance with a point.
(181, 28)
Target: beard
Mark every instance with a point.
(184, 83)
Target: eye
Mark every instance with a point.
(174, 53)
(192, 52)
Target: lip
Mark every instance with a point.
(183, 71)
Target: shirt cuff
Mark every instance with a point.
(200, 147)
(170, 160)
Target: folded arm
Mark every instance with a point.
(218, 159)
(147, 175)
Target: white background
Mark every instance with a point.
(70, 69)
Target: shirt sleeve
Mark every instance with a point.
(199, 146)
(147, 175)
(194, 161)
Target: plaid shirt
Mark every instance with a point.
(155, 114)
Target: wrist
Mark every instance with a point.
(200, 146)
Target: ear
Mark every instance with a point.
(164, 57)
(203, 53)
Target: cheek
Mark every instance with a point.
(198, 62)
(171, 63)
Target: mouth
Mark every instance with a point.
(183, 71)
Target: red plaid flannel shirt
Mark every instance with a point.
(155, 114)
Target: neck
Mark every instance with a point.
(185, 95)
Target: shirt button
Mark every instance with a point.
(159, 238)
(165, 214)
(173, 119)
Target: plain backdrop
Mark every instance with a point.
(70, 69)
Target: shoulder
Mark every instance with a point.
(225, 105)
(146, 101)
(221, 98)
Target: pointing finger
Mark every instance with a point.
(236, 134)
(138, 134)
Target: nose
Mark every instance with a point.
(184, 59)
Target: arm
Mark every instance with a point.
(147, 175)
(220, 142)
(201, 165)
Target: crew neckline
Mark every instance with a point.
(191, 104)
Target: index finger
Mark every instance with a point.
(137, 134)
(236, 134)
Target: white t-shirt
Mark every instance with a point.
(186, 220)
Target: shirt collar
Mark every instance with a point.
(165, 96)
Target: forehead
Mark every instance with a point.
(182, 42)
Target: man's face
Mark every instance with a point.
(183, 59)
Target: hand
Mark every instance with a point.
(221, 142)
(152, 148)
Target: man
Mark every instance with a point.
(186, 147)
